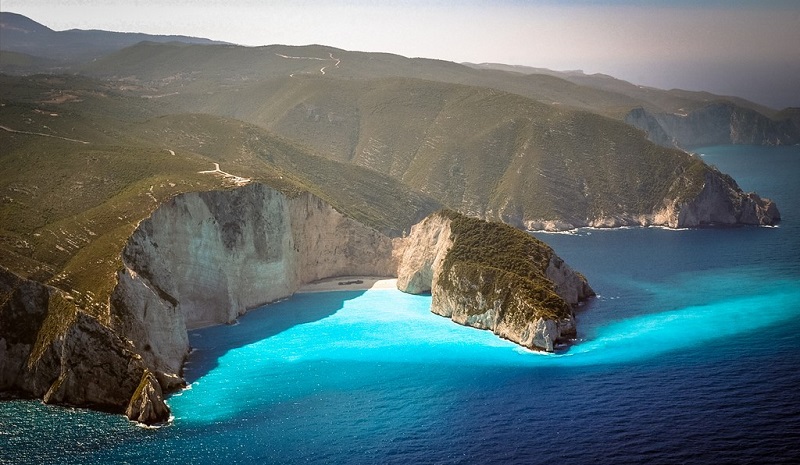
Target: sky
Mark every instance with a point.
(747, 48)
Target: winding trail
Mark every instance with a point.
(321, 70)
(41, 134)
(237, 180)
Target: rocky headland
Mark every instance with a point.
(711, 198)
(492, 276)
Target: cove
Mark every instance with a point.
(287, 351)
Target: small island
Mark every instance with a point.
(489, 275)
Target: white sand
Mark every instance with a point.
(342, 283)
(350, 283)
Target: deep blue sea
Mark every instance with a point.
(690, 354)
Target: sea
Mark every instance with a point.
(689, 354)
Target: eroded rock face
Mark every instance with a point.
(420, 254)
(571, 286)
(206, 258)
(147, 403)
(50, 350)
(719, 202)
(534, 310)
(97, 367)
(201, 258)
(23, 308)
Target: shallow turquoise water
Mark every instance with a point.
(690, 354)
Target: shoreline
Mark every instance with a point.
(349, 283)
(340, 283)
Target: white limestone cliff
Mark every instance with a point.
(421, 254)
(206, 258)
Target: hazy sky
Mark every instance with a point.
(746, 48)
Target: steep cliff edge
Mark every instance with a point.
(51, 350)
(492, 276)
(206, 258)
(717, 200)
(199, 259)
(719, 123)
(698, 196)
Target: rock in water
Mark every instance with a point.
(492, 276)
(147, 403)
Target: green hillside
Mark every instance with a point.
(80, 171)
(383, 138)
(481, 151)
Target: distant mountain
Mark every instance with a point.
(654, 99)
(719, 123)
(681, 118)
(21, 34)
(217, 70)
(479, 149)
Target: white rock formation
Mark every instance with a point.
(206, 258)
(421, 254)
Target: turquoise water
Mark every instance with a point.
(690, 354)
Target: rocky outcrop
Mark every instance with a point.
(23, 309)
(570, 285)
(147, 403)
(697, 198)
(199, 259)
(720, 201)
(96, 367)
(718, 123)
(491, 276)
(48, 349)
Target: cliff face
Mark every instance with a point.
(421, 254)
(199, 259)
(491, 276)
(720, 201)
(206, 258)
(48, 349)
(715, 124)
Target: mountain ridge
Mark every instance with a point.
(21, 34)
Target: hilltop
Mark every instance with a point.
(116, 160)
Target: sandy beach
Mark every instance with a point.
(350, 283)
(341, 283)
